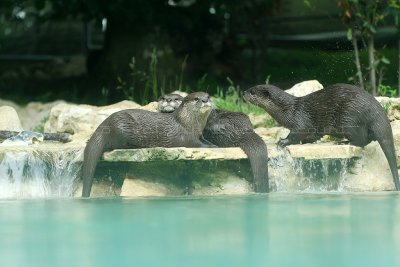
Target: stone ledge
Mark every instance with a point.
(306, 151)
(324, 151)
(175, 153)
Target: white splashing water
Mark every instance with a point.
(39, 173)
(300, 175)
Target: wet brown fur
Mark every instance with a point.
(135, 128)
(234, 129)
(340, 110)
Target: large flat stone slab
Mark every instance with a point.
(175, 153)
(306, 151)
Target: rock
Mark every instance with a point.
(9, 119)
(370, 173)
(304, 88)
(75, 119)
(152, 106)
(273, 134)
(260, 120)
(102, 188)
(183, 94)
(230, 185)
(396, 138)
(10, 104)
(173, 154)
(391, 106)
(324, 151)
(139, 188)
(36, 113)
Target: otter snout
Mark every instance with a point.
(249, 94)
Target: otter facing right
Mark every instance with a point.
(135, 128)
(340, 110)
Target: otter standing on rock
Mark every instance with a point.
(340, 110)
(135, 128)
(231, 129)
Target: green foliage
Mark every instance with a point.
(143, 85)
(362, 19)
(387, 90)
(387, 106)
(231, 99)
(40, 127)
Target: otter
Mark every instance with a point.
(231, 129)
(135, 128)
(340, 110)
(169, 102)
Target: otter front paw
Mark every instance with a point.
(284, 142)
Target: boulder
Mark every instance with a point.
(391, 106)
(396, 138)
(133, 187)
(304, 88)
(75, 119)
(10, 104)
(9, 119)
(370, 173)
(259, 120)
(273, 134)
(35, 114)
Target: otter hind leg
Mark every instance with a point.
(297, 137)
(205, 143)
(357, 136)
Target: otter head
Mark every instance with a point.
(198, 101)
(194, 110)
(268, 97)
(169, 103)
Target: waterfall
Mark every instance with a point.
(289, 174)
(39, 171)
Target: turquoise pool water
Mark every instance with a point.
(260, 230)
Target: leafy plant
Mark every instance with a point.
(362, 19)
(387, 90)
(231, 99)
(151, 84)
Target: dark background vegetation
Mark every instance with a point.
(103, 51)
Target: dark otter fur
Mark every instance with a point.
(234, 129)
(340, 110)
(135, 128)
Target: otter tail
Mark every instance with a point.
(256, 151)
(93, 151)
(384, 136)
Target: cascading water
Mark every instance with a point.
(53, 170)
(39, 171)
(289, 174)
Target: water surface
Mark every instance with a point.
(260, 230)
